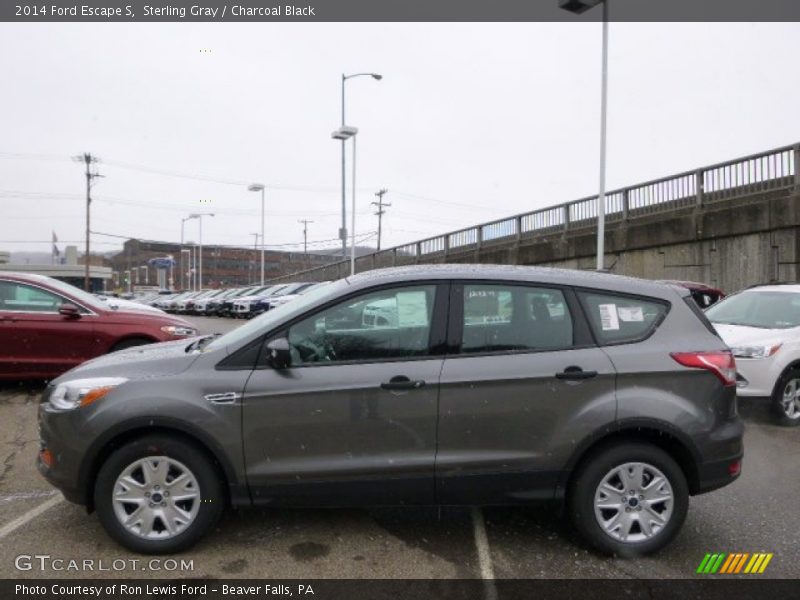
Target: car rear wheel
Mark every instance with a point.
(786, 398)
(158, 495)
(629, 500)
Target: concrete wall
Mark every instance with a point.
(728, 243)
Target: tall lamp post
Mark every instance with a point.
(183, 222)
(259, 187)
(578, 7)
(199, 217)
(343, 230)
(345, 133)
(255, 249)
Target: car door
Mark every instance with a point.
(352, 420)
(523, 383)
(37, 341)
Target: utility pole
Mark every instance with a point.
(88, 159)
(305, 223)
(380, 204)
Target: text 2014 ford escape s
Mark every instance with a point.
(486, 385)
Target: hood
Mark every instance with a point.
(139, 362)
(741, 335)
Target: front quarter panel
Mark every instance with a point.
(86, 436)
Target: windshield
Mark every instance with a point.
(270, 319)
(767, 310)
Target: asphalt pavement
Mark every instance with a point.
(758, 513)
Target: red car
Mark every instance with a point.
(48, 326)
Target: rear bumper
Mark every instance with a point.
(726, 464)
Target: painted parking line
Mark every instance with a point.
(29, 516)
(26, 496)
(484, 555)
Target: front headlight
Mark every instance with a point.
(179, 330)
(756, 351)
(82, 392)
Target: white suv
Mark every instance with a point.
(762, 326)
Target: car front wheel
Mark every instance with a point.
(786, 398)
(629, 500)
(158, 495)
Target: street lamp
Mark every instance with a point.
(578, 7)
(344, 133)
(183, 222)
(259, 187)
(343, 230)
(199, 217)
(250, 262)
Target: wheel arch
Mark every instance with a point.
(658, 433)
(130, 430)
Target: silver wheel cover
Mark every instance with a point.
(156, 498)
(634, 502)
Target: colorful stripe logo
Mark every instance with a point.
(733, 563)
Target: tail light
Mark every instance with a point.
(721, 363)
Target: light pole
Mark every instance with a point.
(183, 272)
(259, 187)
(199, 217)
(183, 222)
(578, 7)
(343, 231)
(255, 249)
(345, 133)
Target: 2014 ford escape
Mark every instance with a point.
(480, 385)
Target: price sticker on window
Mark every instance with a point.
(609, 321)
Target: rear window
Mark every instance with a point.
(618, 319)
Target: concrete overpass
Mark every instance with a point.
(731, 224)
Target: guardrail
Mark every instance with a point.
(771, 170)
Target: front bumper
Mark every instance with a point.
(66, 450)
(757, 376)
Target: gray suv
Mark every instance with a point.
(477, 385)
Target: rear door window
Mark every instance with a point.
(514, 318)
(618, 319)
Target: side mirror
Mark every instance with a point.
(278, 355)
(69, 310)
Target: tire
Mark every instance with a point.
(130, 343)
(786, 398)
(608, 466)
(181, 468)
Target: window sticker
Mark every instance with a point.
(412, 309)
(608, 317)
(630, 313)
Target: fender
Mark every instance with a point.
(239, 493)
(646, 426)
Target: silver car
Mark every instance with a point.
(485, 385)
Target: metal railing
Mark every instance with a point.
(772, 170)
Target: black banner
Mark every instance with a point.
(395, 10)
(747, 586)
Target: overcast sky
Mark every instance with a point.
(471, 122)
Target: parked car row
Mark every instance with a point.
(240, 303)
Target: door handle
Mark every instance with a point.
(401, 382)
(575, 374)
